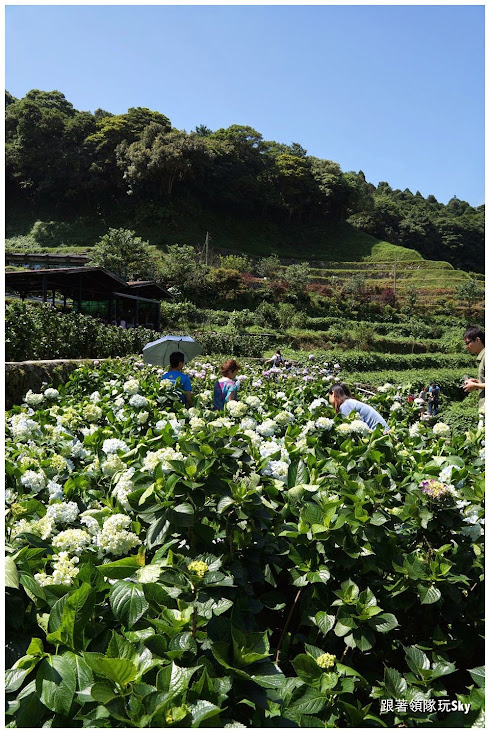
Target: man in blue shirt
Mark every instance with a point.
(176, 376)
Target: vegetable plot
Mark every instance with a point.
(274, 565)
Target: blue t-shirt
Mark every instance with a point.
(368, 414)
(222, 391)
(184, 385)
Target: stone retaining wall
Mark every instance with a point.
(20, 376)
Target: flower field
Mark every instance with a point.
(274, 565)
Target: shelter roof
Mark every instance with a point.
(95, 280)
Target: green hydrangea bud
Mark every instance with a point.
(325, 661)
(198, 567)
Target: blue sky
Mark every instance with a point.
(396, 91)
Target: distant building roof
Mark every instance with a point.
(93, 281)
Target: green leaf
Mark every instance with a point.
(56, 683)
(478, 674)
(182, 515)
(203, 710)
(128, 602)
(384, 622)
(120, 568)
(416, 659)
(307, 669)
(313, 701)
(394, 683)
(76, 610)
(297, 474)
(121, 648)
(11, 574)
(121, 671)
(224, 503)
(102, 692)
(428, 594)
(174, 680)
(324, 621)
(15, 677)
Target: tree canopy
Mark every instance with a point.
(57, 155)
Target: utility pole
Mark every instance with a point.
(394, 278)
(206, 247)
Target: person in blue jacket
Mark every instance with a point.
(342, 401)
(177, 377)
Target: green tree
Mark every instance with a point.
(470, 292)
(269, 267)
(235, 262)
(297, 277)
(182, 268)
(127, 256)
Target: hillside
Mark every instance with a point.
(87, 172)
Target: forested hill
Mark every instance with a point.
(67, 163)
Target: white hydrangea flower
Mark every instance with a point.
(267, 428)
(248, 423)
(359, 426)
(51, 394)
(77, 450)
(236, 408)
(65, 513)
(254, 437)
(114, 538)
(319, 402)
(91, 412)
(60, 463)
(284, 418)
(277, 469)
(281, 396)
(137, 400)
(64, 571)
(95, 396)
(172, 421)
(269, 447)
(33, 399)
(222, 422)
(23, 428)
(253, 402)
(90, 522)
(88, 431)
(132, 386)
(112, 465)
(324, 423)
(197, 424)
(206, 397)
(446, 473)
(414, 429)
(34, 480)
(55, 490)
(10, 496)
(112, 445)
(344, 428)
(124, 487)
(441, 428)
(386, 387)
(119, 402)
(142, 417)
(161, 457)
(43, 527)
(395, 407)
(72, 540)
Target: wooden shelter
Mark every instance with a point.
(93, 291)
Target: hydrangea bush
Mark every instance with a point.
(271, 565)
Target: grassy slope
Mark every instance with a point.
(339, 250)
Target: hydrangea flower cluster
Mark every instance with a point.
(72, 540)
(124, 487)
(137, 400)
(131, 386)
(236, 408)
(113, 445)
(23, 428)
(63, 513)
(114, 538)
(162, 457)
(33, 399)
(442, 429)
(268, 428)
(91, 413)
(51, 394)
(198, 567)
(64, 570)
(435, 489)
(326, 661)
(35, 481)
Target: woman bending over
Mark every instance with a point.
(342, 401)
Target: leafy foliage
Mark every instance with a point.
(269, 566)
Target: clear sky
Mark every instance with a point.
(394, 90)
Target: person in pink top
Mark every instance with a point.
(225, 389)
